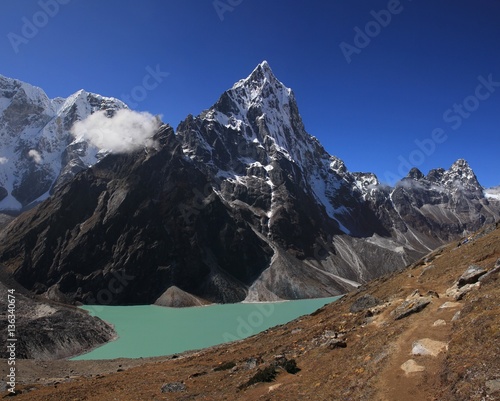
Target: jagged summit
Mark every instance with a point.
(460, 174)
(415, 174)
(260, 74)
(262, 85)
(461, 169)
(263, 112)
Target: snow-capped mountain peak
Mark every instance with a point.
(461, 175)
(14, 89)
(260, 75)
(34, 136)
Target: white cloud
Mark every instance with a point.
(35, 155)
(126, 131)
(3, 160)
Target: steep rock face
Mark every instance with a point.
(38, 153)
(241, 204)
(132, 226)
(253, 142)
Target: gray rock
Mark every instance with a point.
(365, 302)
(471, 275)
(175, 387)
(457, 293)
(427, 346)
(410, 306)
(427, 270)
(55, 294)
(330, 334)
(336, 343)
(289, 365)
(490, 276)
(252, 363)
(410, 366)
(493, 386)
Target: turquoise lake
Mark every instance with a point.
(146, 331)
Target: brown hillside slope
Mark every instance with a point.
(341, 355)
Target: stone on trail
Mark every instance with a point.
(493, 386)
(410, 306)
(426, 346)
(410, 366)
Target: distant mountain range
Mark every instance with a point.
(239, 203)
(38, 151)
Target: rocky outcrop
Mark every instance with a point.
(471, 275)
(47, 330)
(364, 302)
(468, 281)
(410, 306)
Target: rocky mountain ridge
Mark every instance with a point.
(38, 152)
(239, 203)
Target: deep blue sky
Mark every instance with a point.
(369, 112)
